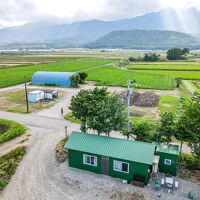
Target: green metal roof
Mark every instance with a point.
(170, 149)
(129, 150)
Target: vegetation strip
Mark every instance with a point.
(8, 165)
(11, 129)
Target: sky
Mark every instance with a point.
(19, 12)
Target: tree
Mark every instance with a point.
(75, 79)
(185, 51)
(142, 131)
(84, 104)
(108, 116)
(190, 124)
(166, 127)
(83, 76)
(132, 59)
(174, 54)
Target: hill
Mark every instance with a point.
(87, 31)
(145, 39)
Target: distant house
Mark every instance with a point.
(125, 159)
(35, 96)
(52, 78)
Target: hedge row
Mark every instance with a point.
(14, 129)
(189, 161)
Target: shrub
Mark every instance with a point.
(15, 129)
(189, 161)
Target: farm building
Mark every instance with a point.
(35, 96)
(52, 78)
(50, 94)
(125, 159)
(168, 158)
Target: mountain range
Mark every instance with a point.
(79, 33)
(145, 39)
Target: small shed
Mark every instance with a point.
(115, 157)
(168, 157)
(35, 96)
(52, 78)
(50, 94)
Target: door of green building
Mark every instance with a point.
(105, 165)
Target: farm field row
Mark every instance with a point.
(111, 76)
(188, 75)
(14, 76)
(166, 66)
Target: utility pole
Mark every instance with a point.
(26, 94)
(130, 91)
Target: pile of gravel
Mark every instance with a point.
(147, 99)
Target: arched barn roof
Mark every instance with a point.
(57, 78)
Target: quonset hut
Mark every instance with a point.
(52, 78)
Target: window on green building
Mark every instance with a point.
(168, 162)
(89, 160)
(121, 166)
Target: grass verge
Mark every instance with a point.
(14, 129)
(8, 165)
(71, 118)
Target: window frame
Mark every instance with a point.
(167, 161)
(115, 161)
(95, 157)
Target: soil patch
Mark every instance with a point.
(147, 99)
(190, 175)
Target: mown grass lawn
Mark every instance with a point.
(111, 76)
(14, 76)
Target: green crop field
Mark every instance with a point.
(14, 76)
(108, 75)
(188, 75)
(166, 66)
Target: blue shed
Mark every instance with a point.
(52, 78)
(35, 96)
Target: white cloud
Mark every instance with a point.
(16, 12)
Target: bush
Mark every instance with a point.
(15, 129)
(75, 79)
(189, 161)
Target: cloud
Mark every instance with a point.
(16, 12)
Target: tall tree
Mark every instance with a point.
(174, 54)
(84, 104)
(108, 115)
(190, 123)
(185, 51)
(166, 127)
